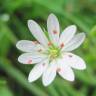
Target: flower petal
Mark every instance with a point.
(37, 71)
(65, 71)
(30, 58)
(28, 46)
(74, 61)
(37, 32)
(75, 42)
(67, 34)
(53, 28)
(49, 74)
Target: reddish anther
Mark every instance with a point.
(58, 69)
(30, 62)
(70, 55)
(55, 32)
(62, 45)
(43, 64)
(49, 44)
(35, 42)
(39, 50)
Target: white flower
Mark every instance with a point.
(51, 56)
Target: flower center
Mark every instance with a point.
(53, 52)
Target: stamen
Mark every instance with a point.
(58, 69)
(55, 32)
(30, 62)
(62, 45)
(39, 50)
(49, 44)
(70, 55)
(35, 42)
(43, 64)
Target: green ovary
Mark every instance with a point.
(54, 53)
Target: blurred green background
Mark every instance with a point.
(13, 27)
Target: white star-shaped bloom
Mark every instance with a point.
(51, 55)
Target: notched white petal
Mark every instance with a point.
(67, 34)
(29, 46)
(76, 41)
(74, 61)
(30, 58)
(49, 74)
(65, 71)
(53, 29)
(37, 32)
(37, 71)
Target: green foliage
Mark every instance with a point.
(13, 27)
(4, 89)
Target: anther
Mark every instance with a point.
(62, 45)
(39, 50)
(35, 42)
(70, 55)
(55, 32)
(58, 69)
(30, 62)
(49, 44)
(43, 64)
